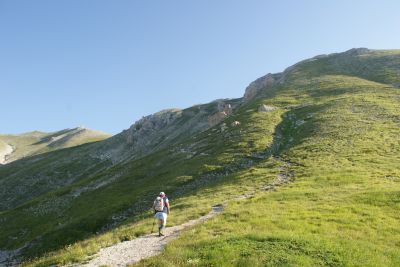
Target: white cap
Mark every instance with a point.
(162, 194)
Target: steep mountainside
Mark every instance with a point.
(14, 147)
(330, 125)
(33, 176)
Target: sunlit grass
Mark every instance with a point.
(341, 210)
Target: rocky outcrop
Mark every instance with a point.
(270, 80)
(265, 108)
(356, 51)
(255, 87)
(224, 110)
(144, 136)
(265, 82)
(140, 132)
(161, 130)
(5, 151)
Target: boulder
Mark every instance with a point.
(235, 123)
(265, 108)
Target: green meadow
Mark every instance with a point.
(341, 209)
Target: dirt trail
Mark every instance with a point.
(285, 175)
(146, 246)
(128, 252)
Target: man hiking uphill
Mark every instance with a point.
(161, 210)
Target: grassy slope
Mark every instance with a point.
(342, 208)
(175, 172)
(60, 218)
(34, 143)
(81, 166)
(27, 178)
(24, 142)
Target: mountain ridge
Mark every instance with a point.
(37, 142)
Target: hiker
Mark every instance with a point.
(161, 210)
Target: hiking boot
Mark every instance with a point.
(160, 234)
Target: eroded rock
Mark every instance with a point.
(265, 108)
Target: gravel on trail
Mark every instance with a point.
(132, 251)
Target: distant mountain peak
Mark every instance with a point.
(36, 142)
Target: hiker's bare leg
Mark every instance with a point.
(161, 228)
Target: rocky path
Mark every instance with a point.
(127, 252)
(285, 175)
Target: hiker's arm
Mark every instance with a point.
(168, 208)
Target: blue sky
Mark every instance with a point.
(105, 64)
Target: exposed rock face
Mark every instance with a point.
(270, 79)
(265, 82)
(265, 108)
(141, 138)
(139, 132)
(5, 152)
(161, 130)
(224, 110)
(356, 51)
(256, 86)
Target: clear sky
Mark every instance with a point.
(105, 64)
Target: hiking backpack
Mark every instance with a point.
(158, 204)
